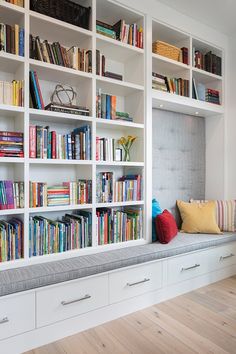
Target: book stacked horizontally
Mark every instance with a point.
(55, 53)
(12, 39)
(12, 93)
(123, 116)
(119, 225)
(212, 96)
(11, 195)
(69, 109)
(72, 232)
(12, 240)
(11, 144)
(123, 32)
(159, 82)
(58, 195)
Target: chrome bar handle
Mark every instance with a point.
(145, 280)
(190, 268)
(222, 258)
(86, 297)
(4, 320)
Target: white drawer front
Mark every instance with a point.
(17, 315)
(69, 300)
(225, 256)
(136, 281)
(186, 267)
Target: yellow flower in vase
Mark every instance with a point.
(127, 143)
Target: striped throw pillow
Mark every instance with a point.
(225, 213)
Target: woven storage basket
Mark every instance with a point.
(166, 50)
(64, 10)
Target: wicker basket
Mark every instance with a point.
(64, 10)
(166, 50)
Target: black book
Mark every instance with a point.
(117, 29)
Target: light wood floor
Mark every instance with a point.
(203, 321)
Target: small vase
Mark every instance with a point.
(127, 156)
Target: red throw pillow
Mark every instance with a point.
(166, 227)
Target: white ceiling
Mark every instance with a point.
(219, 14)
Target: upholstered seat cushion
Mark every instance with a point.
(35, 276)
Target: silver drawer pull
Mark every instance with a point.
(189, 268)
(222, 258)
(4, 320)
(139, 282)
(65, 303)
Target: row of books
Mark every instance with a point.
(11, 240)
(128, 188)
(73, 231)
(11, 144)
(46, 144)
(106, 108)
(55, 53)
(11, 195)
(16, 2)
(101, 67)
(131, 34)
(200, 92)
(12, 93)
(173, 85)
(12, 39)
(115, 226)
(209, 62)
(105, 149)
(69, 193)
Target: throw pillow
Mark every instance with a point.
(225, 213)
(156, 210)
(166, 228)
(198, 217)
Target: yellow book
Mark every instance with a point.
(17, 93)
(14, 92)
(17, 39)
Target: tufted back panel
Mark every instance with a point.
(178, 158)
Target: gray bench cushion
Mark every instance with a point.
(35, 276)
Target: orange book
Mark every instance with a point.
(113, 107)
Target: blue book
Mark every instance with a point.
(21, 42)
(108, 107)
(36, 90)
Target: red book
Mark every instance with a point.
(39, 90)
(54, 145)
(32, 142)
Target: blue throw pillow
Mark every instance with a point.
(156, 210)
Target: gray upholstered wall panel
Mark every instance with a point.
(178, 158)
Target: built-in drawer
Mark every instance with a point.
(17, 315)
(71, 299)
(132, 282)
(186, 267)
(224, 256)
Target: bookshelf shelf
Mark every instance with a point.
(59, 162)
(57, 117)
(116, 87)
(176, 103)
(120, 163)
(119, 123)
(119, 204)
(173, 65)
(12, 160)
(7, 212)
(10, 110)
(205, 76)
(10, 62)
(60, 208)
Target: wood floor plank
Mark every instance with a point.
(202, 322)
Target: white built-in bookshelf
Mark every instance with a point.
(132, 96)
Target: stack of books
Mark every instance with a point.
(128, 188)
(55, 53)
(105, 149)
(11, 144)
(115, 226)
(12, 39)
(11, 195)
(58, 195)
(101, 67)
(12, 93)
(79, 193)
(173, 85)
(16, 2)
(104, 182)
(36, 98)
(12, 240)
(73, 231)
(123, 116)
(131, 34)
(37, 194)
(212, 96)
(208, 62)
(46, 144)
(69, 109)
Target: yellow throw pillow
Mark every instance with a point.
(198, 217)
